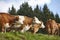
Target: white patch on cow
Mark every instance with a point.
(39, 22)
(22, 31)
(17, 26)
(42, 25)
(7, 25)
(21, 19)
(36, 20)
(26, 28)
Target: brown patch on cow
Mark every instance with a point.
(52, 27)
(35, 28)
(28, 20)
(22, 26)
(59, 27)
(6, 18)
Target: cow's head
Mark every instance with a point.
(36, 20)
(42, 25)
(21, 19)
(16, 18)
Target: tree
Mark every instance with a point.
(46, 13)
(57, 18)
(26, 10)
(12, 10)
(9, 10)
(38, 12)
(52, 16)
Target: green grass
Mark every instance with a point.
(27, 36)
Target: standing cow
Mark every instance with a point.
(52, 27)
(37, 26)
(27, 23)
(59, 27)
(6, 21)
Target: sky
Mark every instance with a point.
(53, 5)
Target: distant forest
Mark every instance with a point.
(42, 13)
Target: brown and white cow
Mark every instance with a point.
(24, 23)
(52, 27)
(37, 26)
(59, 27)
(6, 21)
(27, 23)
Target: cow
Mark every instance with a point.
(6, 21)
(24, 23)
(36, 26)
(52, 27)
(59, 27)
(27, 22)
(9, 21)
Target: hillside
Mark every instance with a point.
(27, 36)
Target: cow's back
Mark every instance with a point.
(28, 20)
(54, 24)
(7, 18)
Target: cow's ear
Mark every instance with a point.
(16, 17)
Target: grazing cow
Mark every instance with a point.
(52, 27)
(36, 26)
(6, 21)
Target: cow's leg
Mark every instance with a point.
(22, 31)
(27, 27)
(49, 31)
(22, 28)
(53, 31)
(57, 32)
(6, 26)
(35, 30)
(3, 29)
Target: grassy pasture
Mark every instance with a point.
(27, 36)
